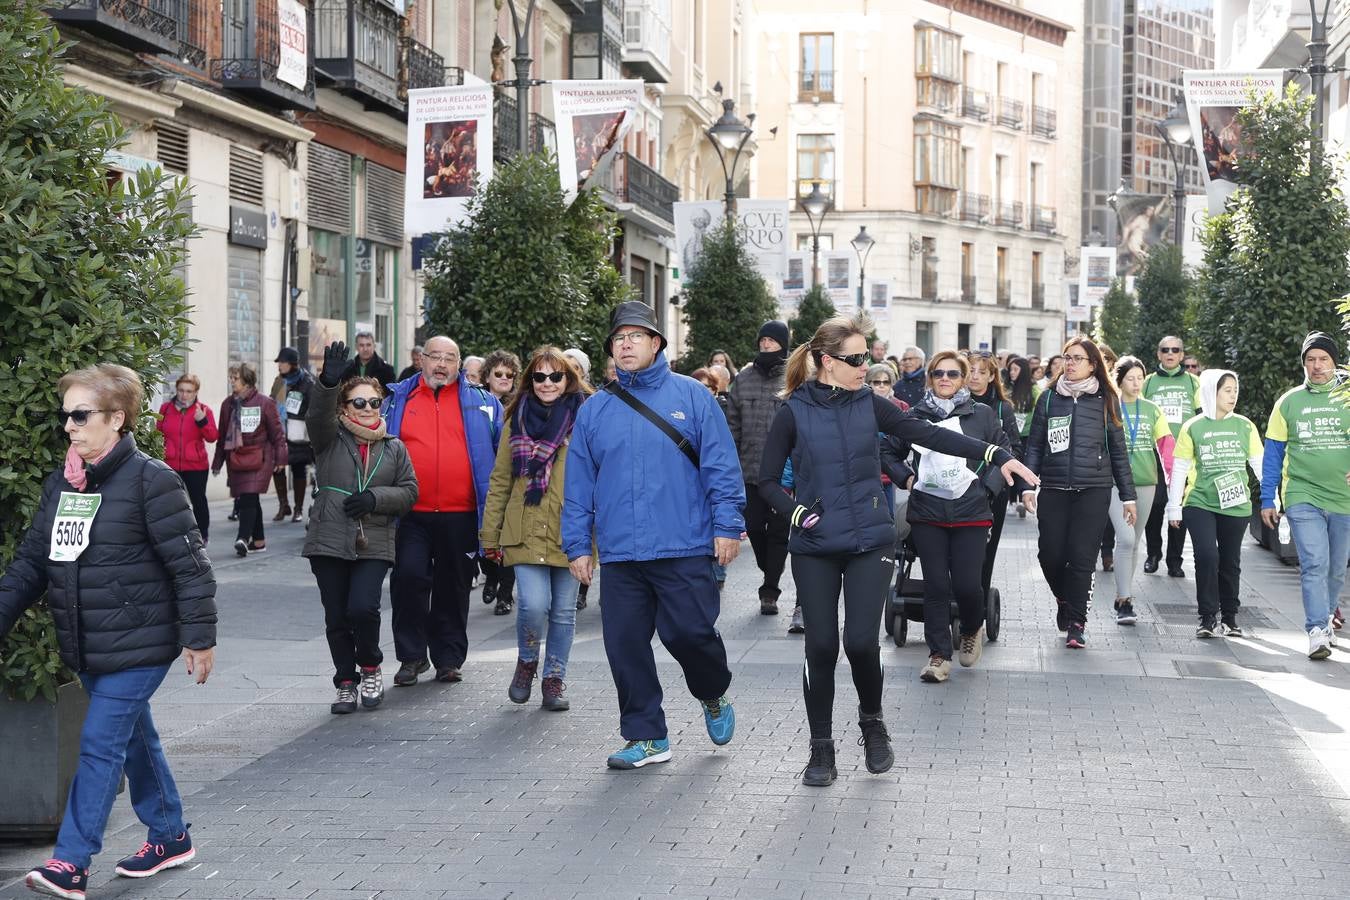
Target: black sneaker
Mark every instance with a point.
(58, 878)
(489, 594)
(797, 625)
(449, 675)
(1230, 628)
(346, 699)
(1151, 563)
(408, 672)
(1208, 628)
(1061, 615)
(876, 743)
(1176, 572)
(240, 548)
(1076, 638)
(1125, 613)
(503, 607)
(522, 680)
(820, 770)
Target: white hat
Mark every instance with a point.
(581, 359)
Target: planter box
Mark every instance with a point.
(42, 749)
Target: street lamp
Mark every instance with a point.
(1176, 134)
(862, 245)
(1317, 70)
(815, 205)
(522, 82)
(729, 135)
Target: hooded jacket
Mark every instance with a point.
(631, 486)
(1211, 457)
(979, 421)
(753, 403)
(1095, 456)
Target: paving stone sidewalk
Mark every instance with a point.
(1150, 765)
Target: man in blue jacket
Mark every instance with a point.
(657, 519)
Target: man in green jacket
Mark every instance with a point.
(1177, 394)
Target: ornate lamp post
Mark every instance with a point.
(729, 136)
(862, 245)
(1176, 134)
(815, 205)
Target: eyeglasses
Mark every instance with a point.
(510, 375)
(541, 377)
(441, 357)
(853, 359)
(1169, 349)
(362, 403)
(881, 381)
(81, 416)
(953, 374)
(630, 337)
(1192, 367)
(1075, 359)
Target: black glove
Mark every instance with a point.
(358, 505)
(334, 361)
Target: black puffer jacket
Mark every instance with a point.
(141, 591)
(977, 421)
(1092, 437)
(754, 402)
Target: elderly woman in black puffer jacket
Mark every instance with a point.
(115, 547)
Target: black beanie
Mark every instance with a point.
(775, 329)
(1317, 340)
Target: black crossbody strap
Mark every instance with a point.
(650, 415)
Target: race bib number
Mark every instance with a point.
(293, 401)
(1058, 433)
(1232, 489)
(1171, 407)
(74, 521)
(250, 417)
(1021, 421)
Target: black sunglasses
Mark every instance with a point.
(81, 416)
(853, 359)
(880, 381)
(362, 403)
(541, 377)
(1169, 349)
(947, 373)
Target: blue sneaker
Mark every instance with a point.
(637, 754)
(152, 859)
(58, 878)
(720, 718)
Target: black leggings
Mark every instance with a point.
(866, 577)
(195, 482)
(1071, 524)
(1216, 541)
(350, 590)
(1000, 510)
(250, 519)
(948, 556)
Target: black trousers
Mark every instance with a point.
(195, 482)
(1071, 524)
(999, 505)
(500, 578)
(250, 519)
(1157, 524)
(435, 560)
(350, 591)
(768, 532)
(948, 556)
(865, 578)
(1216, 542)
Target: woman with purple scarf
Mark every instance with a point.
(522, 519)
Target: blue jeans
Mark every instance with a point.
(1323, 542)
(546, 596)
(119, 735)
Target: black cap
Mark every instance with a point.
(634, 312)
(1318, 340)
(775, 329)
(289, 355)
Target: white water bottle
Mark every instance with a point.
(1286, 534)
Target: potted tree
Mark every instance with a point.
(87, 274)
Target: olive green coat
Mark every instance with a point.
(331, 531)
(526, 535)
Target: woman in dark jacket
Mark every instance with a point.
(116, 550)
(252, 444)
(365, 480)
(950, 516)
(290, 392)
(986, 386)
(841, 531)
(188, 425)
(1078, 449)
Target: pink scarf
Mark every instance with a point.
(75, 471)
(1076, 389)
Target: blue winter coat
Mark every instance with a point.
(635, 490)
(482, 415)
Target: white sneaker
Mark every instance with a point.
(972, 646)
(1319, 645)
(1331, 630)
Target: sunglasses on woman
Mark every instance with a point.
(853, 359)
(541, 377)
(952, 374)
(362, 403)
(81, 416)
(880, 382)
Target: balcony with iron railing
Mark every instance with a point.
(541, 131)
(1003, 297)
(646, 40)
(633, 181)
(250, 58)
(974, 104)
(1038, 296)
(815, 86)
(1043, 219)
(145, 26)
(968, 286)
(1043, 121)
(971, 207)
(1009, 215)
(194, 29)
(357, 48)
(454, 75)
(422, 68)
(1010, 113)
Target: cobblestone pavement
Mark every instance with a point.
(1150, 765)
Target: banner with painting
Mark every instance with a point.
(796, 279)
(839, 274)
(449, 154)
(877, 293)
(694, 221)
(1213, 100)
(1096, 271)
(593, 118)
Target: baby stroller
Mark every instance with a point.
(905, 603)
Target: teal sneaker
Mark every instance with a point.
(637, 754)
(720, 718)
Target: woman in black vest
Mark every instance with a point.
(840, 528)
(1077, 447)
(950, 516)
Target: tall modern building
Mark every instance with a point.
(1133, 57)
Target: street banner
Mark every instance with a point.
(764, 225)
(1193, 233)
(1144, 220)
(694, 221)
(840, 277)
(292, 44)
(1075, 312)
(796, 279)
(449, 154)
(877, 293)
(1096, 271)
(1213, 100)
(593, 118)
